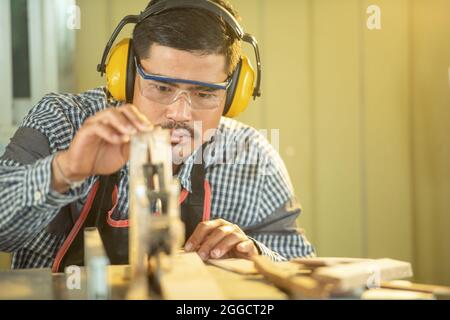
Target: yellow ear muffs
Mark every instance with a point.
(241, 89)
(120, 71)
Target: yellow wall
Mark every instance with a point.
(365, 120)
(430, 88)
(363, 115)
(98, 20)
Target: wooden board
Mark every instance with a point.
(287, 276)
(348, 277)
(237, 286)
(240, 266)
(189, 279)
(389, 294)
(409, 286)
(30, 284)
(326, 261)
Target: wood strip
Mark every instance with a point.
(348, 277)
(245, 287)
(388, 294)
(189, 279)
(240, 266)
(409, 286)
(326, 261)
(285, 276)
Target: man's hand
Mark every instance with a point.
(100, 147)
(220, 239)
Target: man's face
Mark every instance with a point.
(180, 116)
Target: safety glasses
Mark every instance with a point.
(164, 90)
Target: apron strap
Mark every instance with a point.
(93, 214)
(197, 205)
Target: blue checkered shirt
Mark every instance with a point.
(250, 186)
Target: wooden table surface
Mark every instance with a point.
(41, 284)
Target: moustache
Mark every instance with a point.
(174, 125)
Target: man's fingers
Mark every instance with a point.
(136, 118)
(202, 230)
(107, 133)
(120, 122)
(126, 119)
(113, 118)
(213, 239)
(218, 238)
(247, 246)
(125, 151)
(226, 245)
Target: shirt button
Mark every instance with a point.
(37, 196)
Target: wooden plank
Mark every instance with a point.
(241, 266)
(30, 284)
(409, 286)
(188, 278)
(237, 286)
(388, 294)
(326, 261)
(348, 277)
(286, 277)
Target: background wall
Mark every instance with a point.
(363, 115)
(365, 123)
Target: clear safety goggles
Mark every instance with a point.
(164, 90)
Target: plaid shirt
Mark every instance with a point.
(249, 185)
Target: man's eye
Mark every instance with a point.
(206, 95)
(163, 89)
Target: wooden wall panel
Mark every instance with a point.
(431, 113)
(337, 161)
(287, 95)
(386, 124)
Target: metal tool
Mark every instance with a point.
(97, 263)
(156, 230)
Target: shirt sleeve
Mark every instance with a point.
(276, 234)
(27, 202)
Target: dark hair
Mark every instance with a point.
(194, 30)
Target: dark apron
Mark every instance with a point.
(97, 212)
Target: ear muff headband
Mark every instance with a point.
(121, 71)
(131, 72)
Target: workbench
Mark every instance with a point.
(189, 278)
(41, 284)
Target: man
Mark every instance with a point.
(50, 172)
